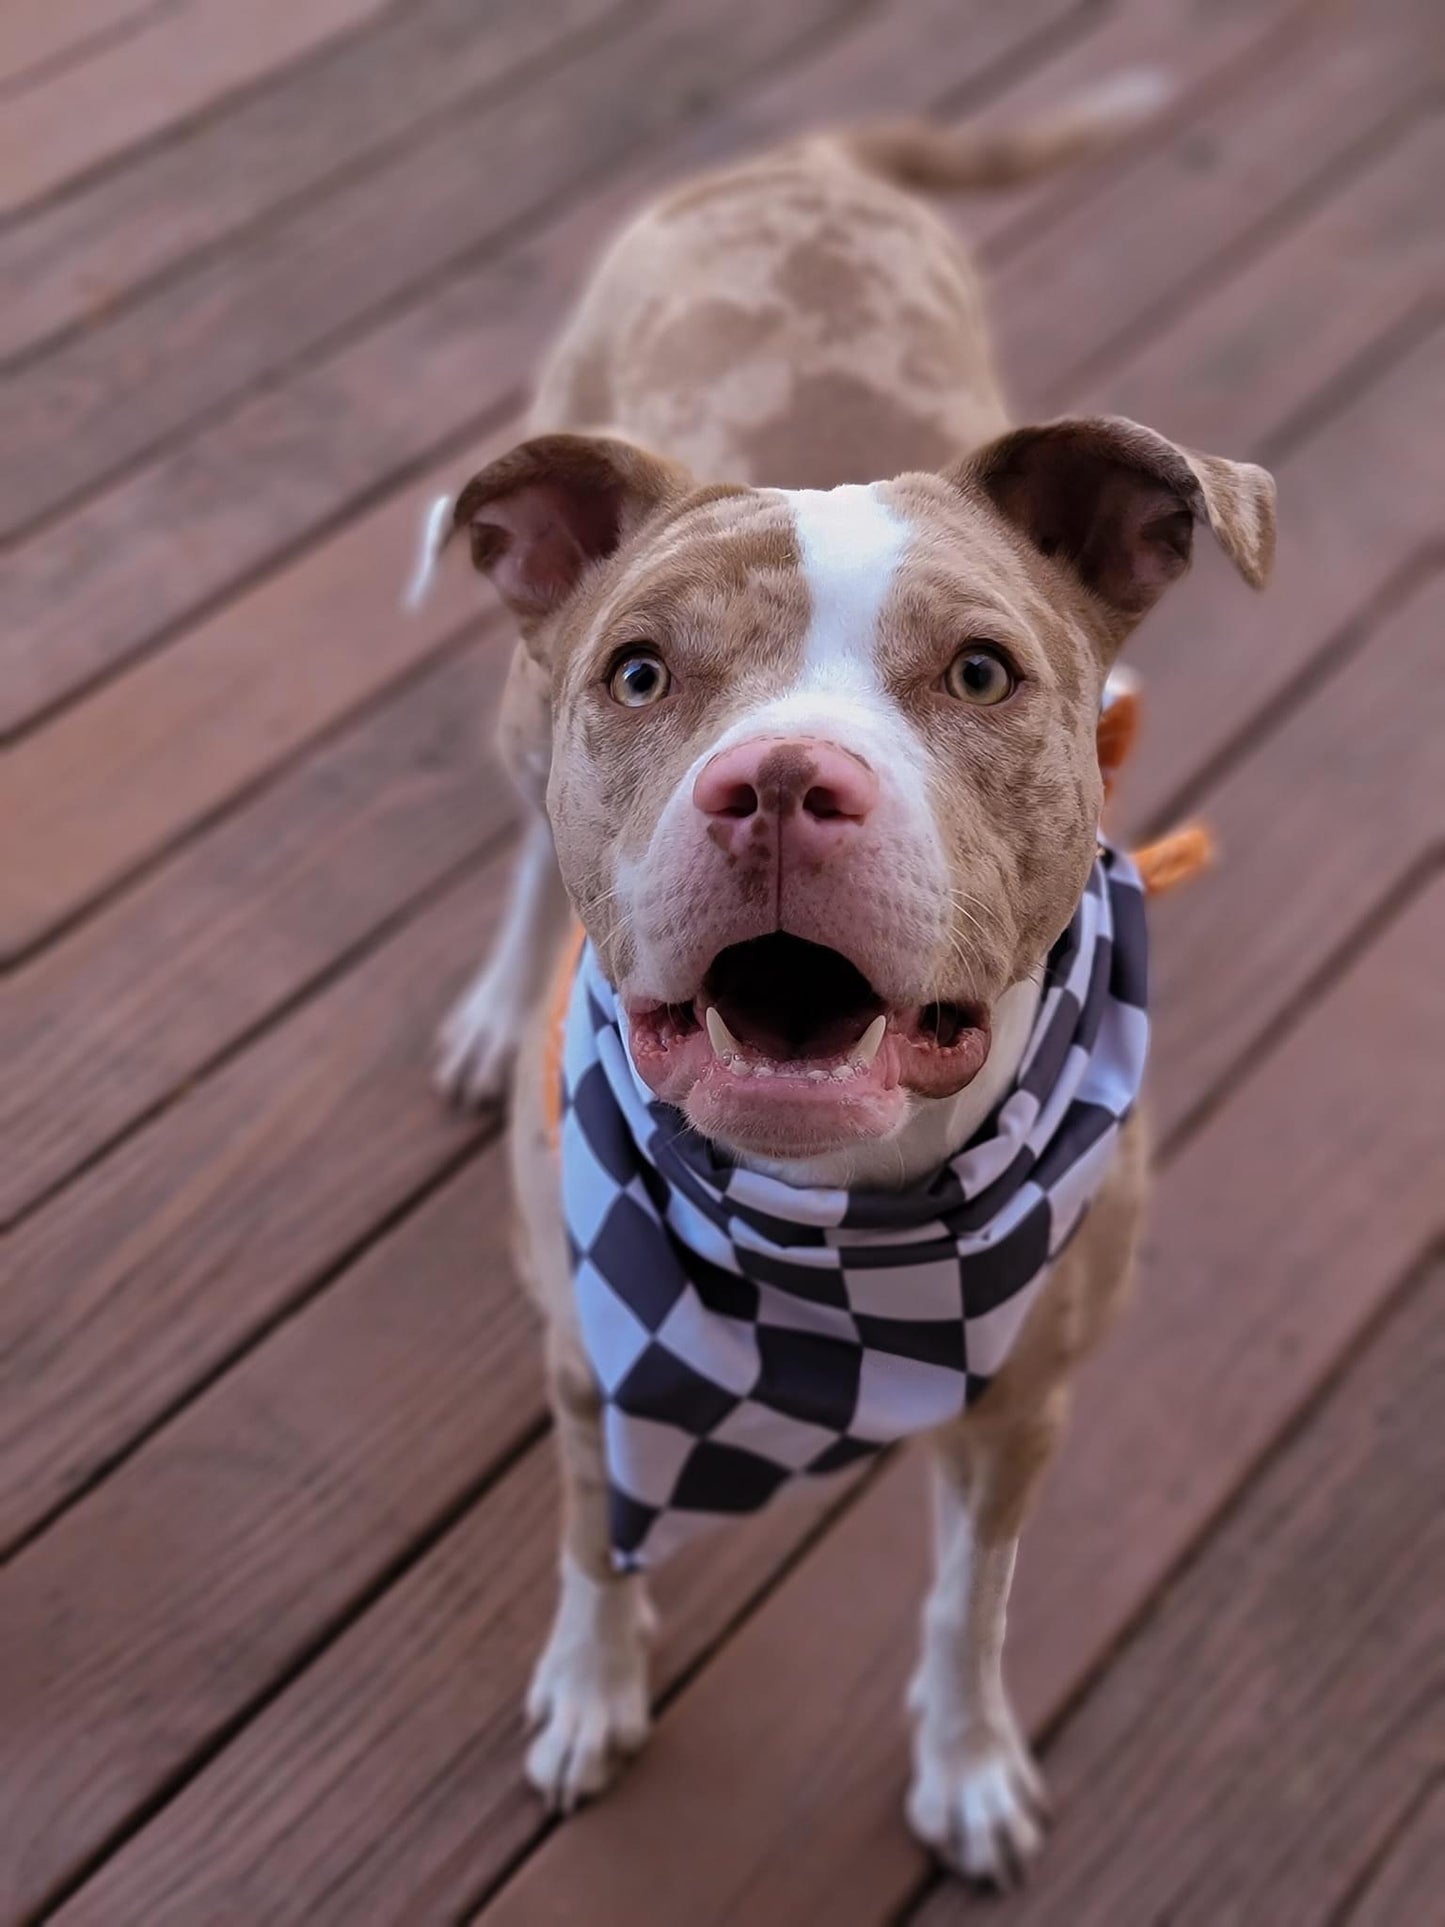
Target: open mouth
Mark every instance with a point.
(786, 1038)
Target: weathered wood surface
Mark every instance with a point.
(273, 1471)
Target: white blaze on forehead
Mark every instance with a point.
(851, 542)
(852, 545)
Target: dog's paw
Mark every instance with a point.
(980, 1805)
(587, 1728)
(588, 1698)
(477, 1045)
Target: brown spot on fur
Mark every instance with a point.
(856, 431)
(821, 277)
(706, 337)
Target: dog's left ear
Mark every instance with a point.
(1118, 503)
(541, 515)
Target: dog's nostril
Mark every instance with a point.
(739, 800)
(824, 803)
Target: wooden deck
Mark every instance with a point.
(275, 1489)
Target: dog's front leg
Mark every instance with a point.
(588, 1697)
(976, 1797)
(479, 1039)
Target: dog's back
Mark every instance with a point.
(799, 321)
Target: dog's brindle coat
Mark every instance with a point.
(795, 325)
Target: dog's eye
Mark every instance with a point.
(979, 675)
(639, 678)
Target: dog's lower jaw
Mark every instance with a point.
(588, 1698)
(927, 1131)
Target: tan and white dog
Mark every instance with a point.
(813, 755)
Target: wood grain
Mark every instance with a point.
(1315, 830)
(38, 35)
(116, 780)
(76, 259)
(1344, 277)
(78, 599)
(273, 1635)
(1249, 1756)
(176, 1250)
(159, 776)
(1242, 1310)
(798, 1715)
(213, 1560)
(445, 1656)
(103, 1028)
(1230, 169)
(1188, 985)
(1405, 1882)
(177, 62)
(319, 270)
(1357, 504)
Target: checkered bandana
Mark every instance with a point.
(745, 1331)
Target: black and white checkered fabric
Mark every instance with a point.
(745, 1331)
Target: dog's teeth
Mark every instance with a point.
(868, 1044)
(723, 1041)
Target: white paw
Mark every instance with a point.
(477, 1044)
(980, 1804)
(588, 1697)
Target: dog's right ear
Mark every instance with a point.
(544, 514)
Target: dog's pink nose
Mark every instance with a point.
(815, 793)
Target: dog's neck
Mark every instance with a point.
(936, 1128)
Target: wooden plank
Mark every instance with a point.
(1407, 1881)
(211, 1562)
(177, 62)
(141, 999)
(185, 732)
(790, 1718)
(368, 588)
(1348, 275)
(80, 598)
(1363, 754)
(196, 1234)
(1219, 189)
(1316, 1615)
(37, 35)
(1212, 656)
(319, 270)
(74, 259)
(1229, 904)
(446, 1655)
(1208, 54)
(156, 778)
(146, 555)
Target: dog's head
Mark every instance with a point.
(824, 781)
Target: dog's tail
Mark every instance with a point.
(923, 154)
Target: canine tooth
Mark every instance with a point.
(722, 1038)
(868, 1044)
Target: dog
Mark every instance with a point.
(813, 645)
